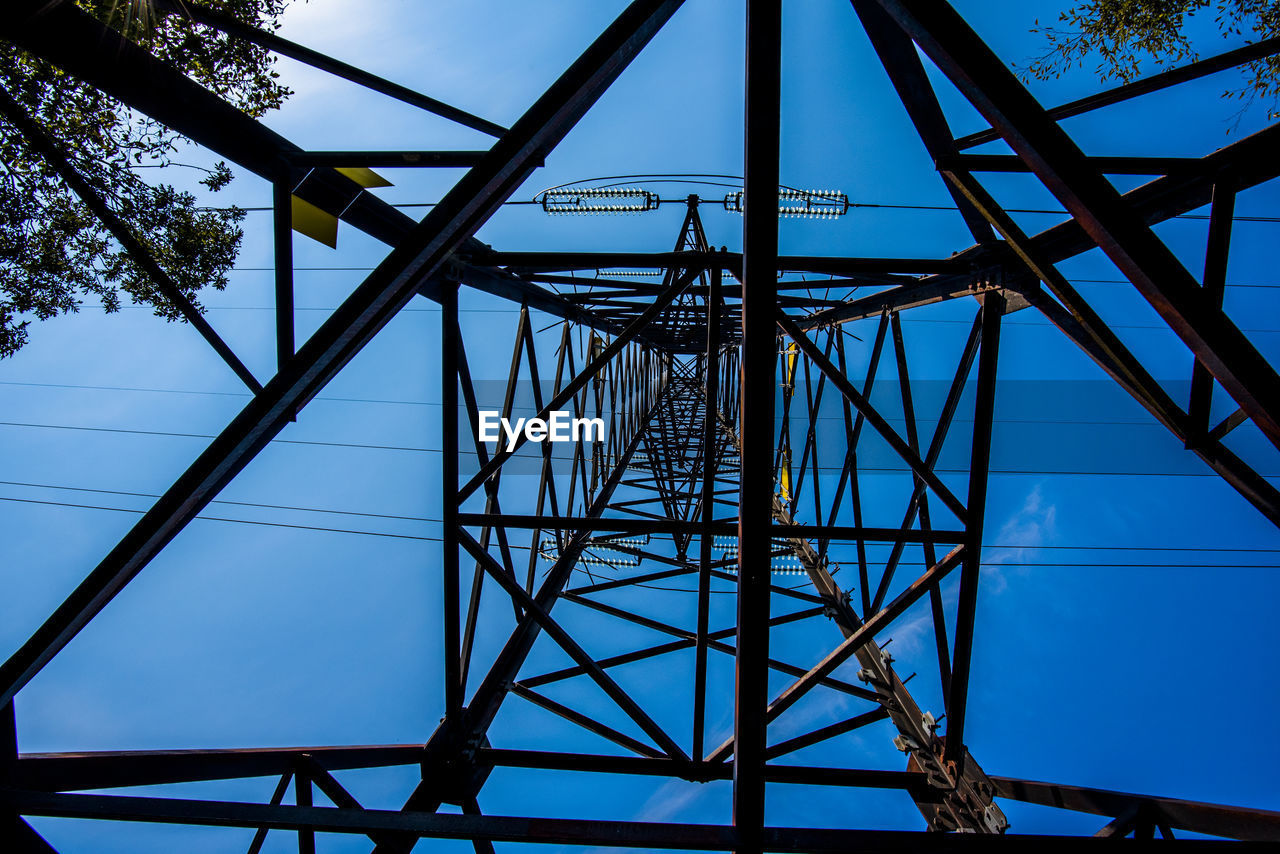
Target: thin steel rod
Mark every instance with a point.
(578, 832)
(979, 464)
(825, 733)
(449, 570)
(56, 158)
(1216, 256)
(874, 418)
(580, 381)
(710, 443)
(756, 423)
(566, 642)
(856, 639)
(1154, 83)
(277, 798)
(282, 232)
(1115, 227)
(316, 59)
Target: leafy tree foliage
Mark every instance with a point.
(1121, 33)
(53, 251)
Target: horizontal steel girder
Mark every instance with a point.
(629, 834)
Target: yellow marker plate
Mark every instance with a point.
(318, 224)
(366, 178)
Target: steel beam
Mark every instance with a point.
(1154, 83)
(451, 596)
(1245, 163)
(430, 256)
(1077, 319)
(1103, 164)
(590, 724)
(282, 258)
(389, 159)
(919, 503)
(71, 39)
(1242, 164)
(1097, 206)
(826, 733)
(706, 508)
(277, 798)
(22, 838)
(115, 769)
(566, 642)
(302, 798)
(866, 632)
(873, 417)
(979, 464)
(633, 330)
(1243, 823)
(558, 831)
(756, 389)
(316, 59)
(531, 262)
(940, 432)
(139, 254)
(1217, 251)
(627, 525)
(448, 745)
(699, 771)
(902, 63)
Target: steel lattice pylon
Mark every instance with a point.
(713, 379)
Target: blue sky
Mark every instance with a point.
(1149, 679)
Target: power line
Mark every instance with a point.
(522, 202)
(1045, 324)
(409, 448)
(817, 283)
(222, 501)
(589, 281)
(551, 519)
(1134, 548)
(214, 393)
(326, 529)
(1127, 282)
(1048, 325)
(224, 519)
(799, 422)
(211, 436)
(991, 564)
(428, 310)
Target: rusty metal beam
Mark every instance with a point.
(1115, 226)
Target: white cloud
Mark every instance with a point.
(910, 635)
(820, 710)
(671, 801)
(347, 32)
(1026, 530)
